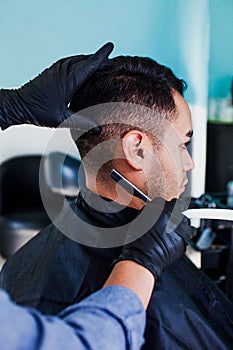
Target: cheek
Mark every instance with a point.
(172, 171)
(165, 174)
(171, 163)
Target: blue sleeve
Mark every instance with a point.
(112, 318)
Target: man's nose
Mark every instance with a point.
(188, 162)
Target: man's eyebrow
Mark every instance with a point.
(189, 134)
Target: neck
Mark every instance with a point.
(114, 192)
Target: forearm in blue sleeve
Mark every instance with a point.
(112, 318)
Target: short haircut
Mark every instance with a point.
(133, 80)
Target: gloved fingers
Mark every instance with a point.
(171, 210)
(70, 61)
(82, 71)
(71, 72)
(187, 232)
(153, 210)
(78, 122)
(169, 214)
(157, 204)
(77, 60)
(176, 205)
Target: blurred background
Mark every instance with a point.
(193, 37)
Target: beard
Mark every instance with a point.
(162, 180)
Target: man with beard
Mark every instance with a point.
(145, 128)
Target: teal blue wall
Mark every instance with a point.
(35, 33)
(221, 47)
(193, 37)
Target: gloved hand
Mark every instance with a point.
(43, 101)
(164, 242)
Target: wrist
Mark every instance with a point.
(134, 276)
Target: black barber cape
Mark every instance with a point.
(186, 311)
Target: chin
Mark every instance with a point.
(171, 196)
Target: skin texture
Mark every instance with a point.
(174, 158)
(159, 169)
(135, 277)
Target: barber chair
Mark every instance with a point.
(22, 214)
(63, 174)
(32, 193)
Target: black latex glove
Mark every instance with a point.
(164, 242)
(43, 101)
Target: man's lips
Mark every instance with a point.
(184, 183)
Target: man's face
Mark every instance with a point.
(171, 162)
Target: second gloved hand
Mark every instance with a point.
(164, 242)
(44, 100)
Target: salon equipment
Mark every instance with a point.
(229, 196)
(219, 161)
(22, 214)
(63, 174)
(24, 182)
(214, 240)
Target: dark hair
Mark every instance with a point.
(135, 80)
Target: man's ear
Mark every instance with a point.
(134, 148)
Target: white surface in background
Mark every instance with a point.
(209, 213)
(199, 120)
(194, 256)
(29, 139)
